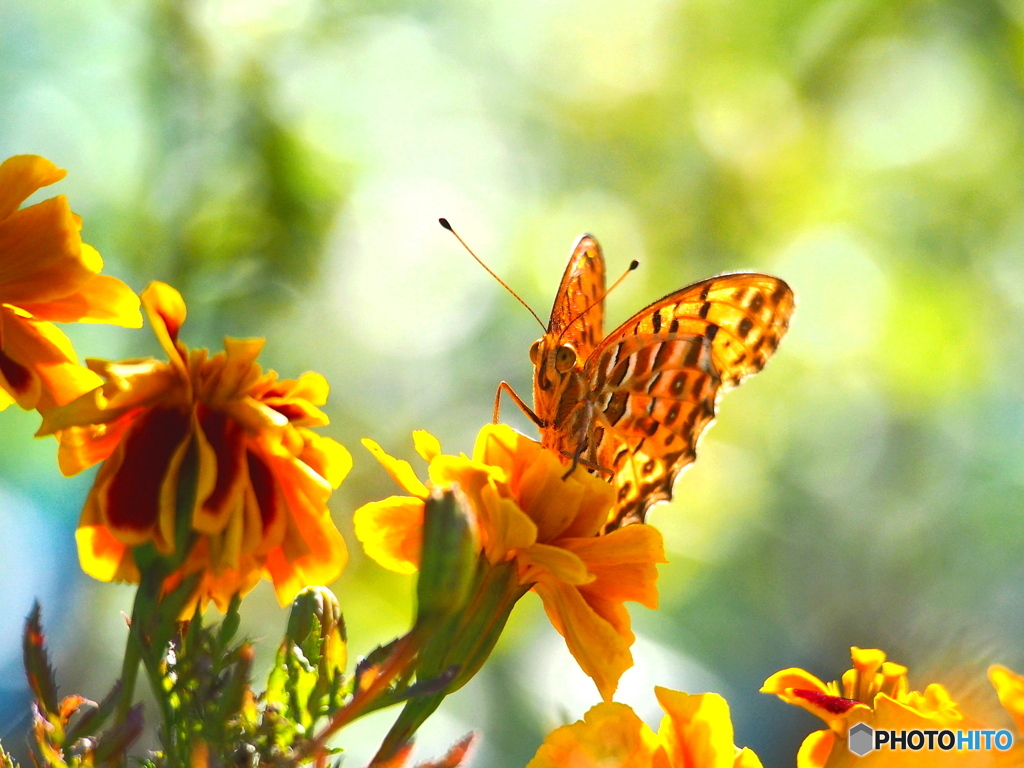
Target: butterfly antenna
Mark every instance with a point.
(632, 265)
(444, 223)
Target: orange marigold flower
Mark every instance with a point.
(262, 477)
(875, 692)
(529, 513)
(47, 274)
(696, 732)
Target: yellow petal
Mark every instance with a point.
(400, 470)
(1010, 689)
(697, 730)
(391, 532)
(599, 649)
(815, 749)
(609, 736)
(22, 175)
(793, 677)
(166, 311)
(747, 758)
(426, 444)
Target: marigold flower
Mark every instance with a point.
(547, 524)
(262, 477)
(47, 274)
(696, 732)
(875, 692)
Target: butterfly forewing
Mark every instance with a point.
(578, 313)
(655, 381)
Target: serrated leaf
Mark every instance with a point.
(37, 663)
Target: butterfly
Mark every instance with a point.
(632, 405)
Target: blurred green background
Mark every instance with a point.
(284, 165)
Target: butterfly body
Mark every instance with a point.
(632, 405)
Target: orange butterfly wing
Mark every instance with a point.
(655, 381)
(580, 293)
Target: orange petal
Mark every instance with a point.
(42, 254)
(610, 734)
(697, 730)
(599, 649)
(391, 532)
(22, 175)
(552, 561)
(623, 562)
(504, 527)
(400, 471)
(313, 551)
(37, 365)
(551, 502)
(1010, 689)
(101, 299)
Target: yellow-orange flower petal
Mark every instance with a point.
(391, 532)
(610, 735)
(400, 470)
(48, 274)
(1010, 689)
(696, 732)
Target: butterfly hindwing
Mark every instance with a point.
(655, 381)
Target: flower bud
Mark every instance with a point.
(317, 627)
(448, 558)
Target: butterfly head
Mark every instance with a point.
(555, 365)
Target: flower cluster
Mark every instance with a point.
(531, 514)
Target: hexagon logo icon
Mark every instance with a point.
(861, 739)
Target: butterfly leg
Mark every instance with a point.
(518, 401)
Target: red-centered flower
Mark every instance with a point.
(528, 512)
(262, 477)
(47, 275)
(875, 692)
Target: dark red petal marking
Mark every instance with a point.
(173, 326)
(291, 411)
(133, 496)
(837, 705)
(226, 437)
(262, 480)
(17, 375)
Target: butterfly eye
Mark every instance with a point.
(565, 358)
(535, 352)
